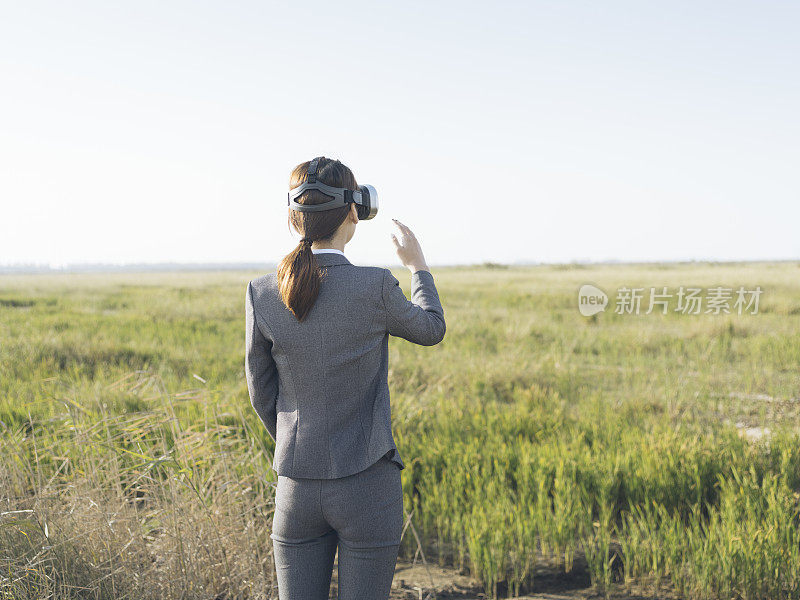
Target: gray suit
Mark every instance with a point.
(320, 386)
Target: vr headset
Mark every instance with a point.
(366, 198)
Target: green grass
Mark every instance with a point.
(133, 465)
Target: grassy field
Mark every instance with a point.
(132, 464)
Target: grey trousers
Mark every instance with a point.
(361, 515)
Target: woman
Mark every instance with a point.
(317, 364)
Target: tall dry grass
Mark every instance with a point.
(98, 504)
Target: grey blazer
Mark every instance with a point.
(320, 386)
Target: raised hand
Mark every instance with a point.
(408, 249)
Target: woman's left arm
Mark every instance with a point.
(260, 369)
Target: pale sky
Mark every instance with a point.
(498, 131)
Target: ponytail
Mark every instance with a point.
(298, 279)
(299, 275)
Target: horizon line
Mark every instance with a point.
(105, 267)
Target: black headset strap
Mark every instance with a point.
(312, 170)
(341, 196)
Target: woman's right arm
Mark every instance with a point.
(420, 320)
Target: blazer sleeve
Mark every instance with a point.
(419, 320)
(260, 369)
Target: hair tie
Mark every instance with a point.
(307, 241)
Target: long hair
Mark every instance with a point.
(299, 275)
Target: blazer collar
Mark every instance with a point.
(329, 259)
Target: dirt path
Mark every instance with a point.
(420, 582)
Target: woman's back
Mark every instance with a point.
(320, 384)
